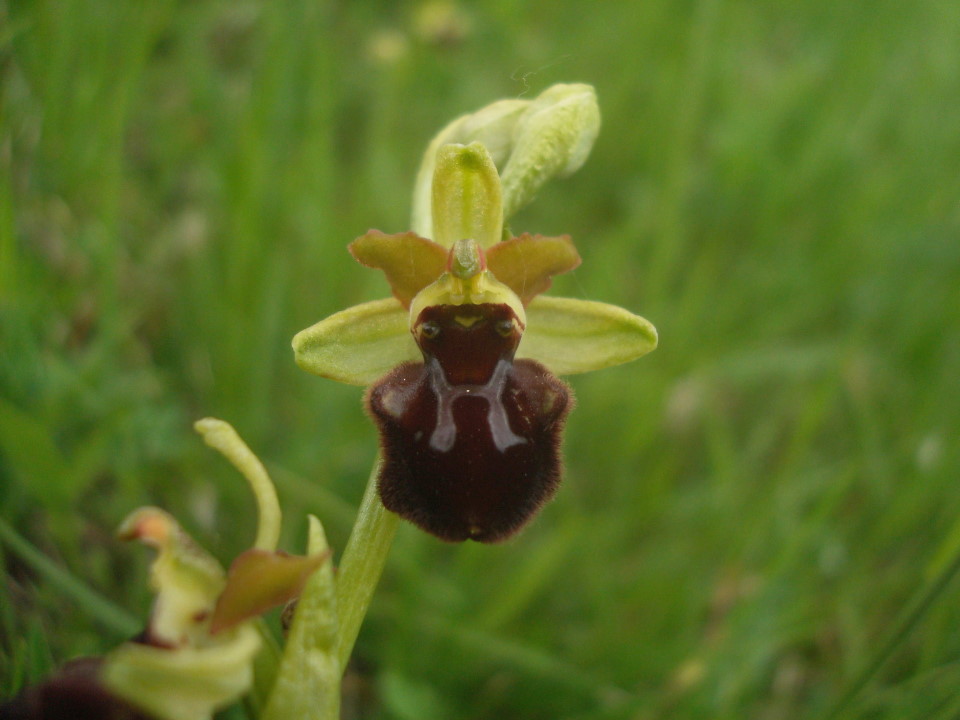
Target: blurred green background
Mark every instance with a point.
(749, 513)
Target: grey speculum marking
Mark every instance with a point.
(445, 432)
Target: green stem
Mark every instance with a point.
(329, 614)
(362, 563)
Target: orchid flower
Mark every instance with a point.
(203, 647)
(461, 362)
(200, 647)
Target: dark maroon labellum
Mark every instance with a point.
(75, 692)
(470, 437)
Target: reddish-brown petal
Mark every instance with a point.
(409, 261)
(259, 580)
(526, 263)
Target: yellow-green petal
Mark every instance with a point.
(574, 336)
(357, 345)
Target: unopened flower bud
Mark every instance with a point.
(552, 138)
(529, 141)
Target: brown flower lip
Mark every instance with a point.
(470, 437)
(75, 692)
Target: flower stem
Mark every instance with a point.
(362, 563)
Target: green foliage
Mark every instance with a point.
(750, 515)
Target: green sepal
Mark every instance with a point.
(358, 345)
(573, 336)
(492, 125)
(467, 202)
(259, 580)
(409, 261)
(189, 683)
(526, 263)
